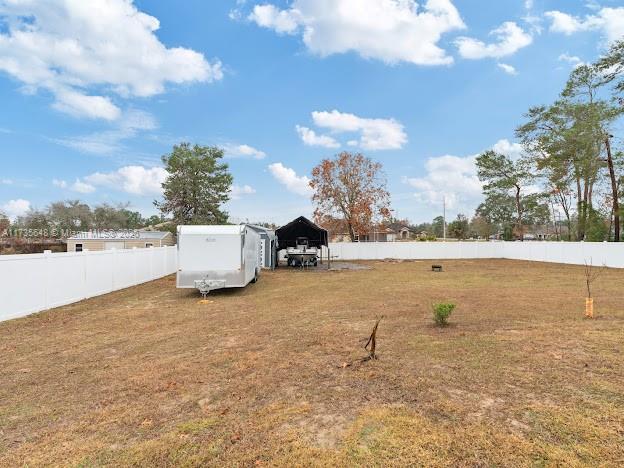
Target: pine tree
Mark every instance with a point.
(197, 186)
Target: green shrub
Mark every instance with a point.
(441, 313)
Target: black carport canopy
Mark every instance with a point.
(301, 227)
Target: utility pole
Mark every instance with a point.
(614, 189)
(554, 216)
(444, 216)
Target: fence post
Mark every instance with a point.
(151, 262)
(113, 268)
(134, 263)
(46, 272)
(85, 252)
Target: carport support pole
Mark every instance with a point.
(328, 259)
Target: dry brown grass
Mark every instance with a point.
(149, 377)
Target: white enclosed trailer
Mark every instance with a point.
(215, 257)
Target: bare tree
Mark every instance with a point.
(591, 275)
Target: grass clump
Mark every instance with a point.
(196, 426)
(442, 312)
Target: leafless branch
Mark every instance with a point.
(592, 275)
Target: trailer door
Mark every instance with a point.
(210, 252)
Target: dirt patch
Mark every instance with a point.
(333, 266)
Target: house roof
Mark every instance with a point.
(120, 235)
(155, 227)
(399, 226)
(375, 230)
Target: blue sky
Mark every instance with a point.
(93, 93)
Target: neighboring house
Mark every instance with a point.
(340, 237)
(403, 231)
(108, 240)
(540, 235)
(380, 234)
(544, 232)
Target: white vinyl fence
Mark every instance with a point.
(34, 282)
(610, 254)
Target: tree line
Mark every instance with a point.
(571, 172)
(69, 216)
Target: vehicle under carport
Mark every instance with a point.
(300, 237)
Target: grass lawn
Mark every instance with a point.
(148, 376)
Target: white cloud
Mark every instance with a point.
(243, 151)
(610, 21)
(375, 134)
(593, 5)
(59, 183)
(528, 4)
(81, 105)
(534, 22)
(79, 50)
(450, 178)
(564, 23)
(282, 21)
(510, 38)
(15, 208)
(513, 150)
(509, 69)
(310, 138)
(388, 30)
(6, 182)
(455, 179)
(238, 191)
(95, 143)
(286, 176)
(82, 187)
(571, 59)
(111, 141)
(135, 180)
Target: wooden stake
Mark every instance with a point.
(372, 341)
